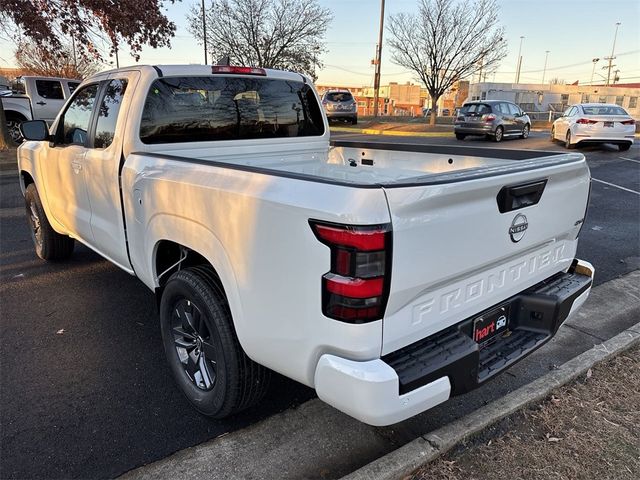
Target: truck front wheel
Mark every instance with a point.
(49, 244)
(202, 348)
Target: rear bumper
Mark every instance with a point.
(475, 128)
(595, 139)
(336, 115)
(422, 375)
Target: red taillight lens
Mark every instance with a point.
(629, 122)
(238, 70)
(586, 121)
(489, 117)
(356, 288)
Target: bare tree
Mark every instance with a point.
(36, 59)
(285, 34)
(446, 41)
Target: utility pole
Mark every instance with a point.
(204, 34)
(376, 79)
(613, 49)
(117, 60)
(595, 60)
(544, 72)
(519, 60)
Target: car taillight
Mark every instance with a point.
(238, 70)
(586, 121)
(629, 122)
(356, 288)
(488, 117)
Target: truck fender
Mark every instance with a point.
(198, 238)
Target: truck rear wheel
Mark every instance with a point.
(49, 244)
(202, 348)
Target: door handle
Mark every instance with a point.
(41, 103)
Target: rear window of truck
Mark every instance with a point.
(199, 109)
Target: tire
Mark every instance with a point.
(49, 244)
(354, 121)
(497, 136)
(567, 140)
(553, 134)
(460, 136)
(525, 132)
(13, 126)
(623, 147)
(218, 378)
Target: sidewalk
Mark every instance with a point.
(588, 429)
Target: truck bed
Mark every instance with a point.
(378, 164)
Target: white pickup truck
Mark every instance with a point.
(387, 277)
(42, 100)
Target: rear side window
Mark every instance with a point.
(339, 97)
(604, 110)
(199, 109)
(51, 89)
(475, 109)
(108, 113)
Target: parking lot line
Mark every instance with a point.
(614, 185)
(630, 159)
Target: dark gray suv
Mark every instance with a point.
(495, 119)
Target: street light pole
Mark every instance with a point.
(595, 60)
(376, 79)
(519, 60)
(615, 35)
(204, 34)
(544, 72)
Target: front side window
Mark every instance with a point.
(51, 89)
(75, 122)
(108, 113)
(198, 109)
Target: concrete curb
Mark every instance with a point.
(427, 448)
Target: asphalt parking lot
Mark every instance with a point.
(85, 391)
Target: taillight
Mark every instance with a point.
(586, 121)
(356, 288)
(488, 117)
(629, 122)
(238, 70)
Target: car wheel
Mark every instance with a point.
(567, 140)
(553, 134)
(497, 136)
(525, 132)
(623, 147)
(354, 121)
(202, 348)
(49, 244)
(460, 136)
(13, 127)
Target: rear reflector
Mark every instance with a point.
(586, 121)
(356, 288)
(238, 70)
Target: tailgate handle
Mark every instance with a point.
(519, 196)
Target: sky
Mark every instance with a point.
(574, 32)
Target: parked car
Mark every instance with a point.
(446, 112)
(426, 111)
(340, 105)
(595, 123)
(42, 100)
(495, 119)
(270, 248)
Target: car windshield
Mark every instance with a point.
(603, 110)
(475, 109)
(339, 97)
(198, 109)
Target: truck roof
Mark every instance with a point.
(198, 70)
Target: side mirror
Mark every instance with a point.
(35, 130)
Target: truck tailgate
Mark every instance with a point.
(460, 247)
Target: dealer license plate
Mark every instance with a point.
(491, 324)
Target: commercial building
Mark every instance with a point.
(549, 100)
